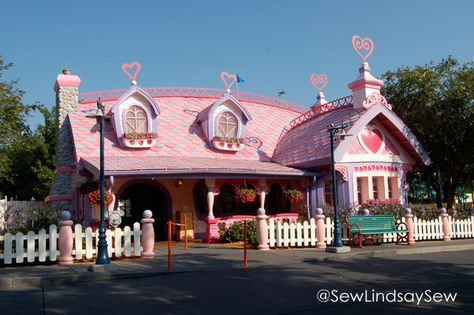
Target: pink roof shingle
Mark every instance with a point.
(180, 136)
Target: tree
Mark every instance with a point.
(437, 102)
(26, 156)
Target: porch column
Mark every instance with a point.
(263, 192)
(211, 184)
(212, 231)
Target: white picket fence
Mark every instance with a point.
(304, 234)
(42, 246)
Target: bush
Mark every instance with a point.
(235, 232)
(28, 219)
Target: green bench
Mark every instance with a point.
(364, 227)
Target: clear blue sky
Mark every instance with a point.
(273, 44)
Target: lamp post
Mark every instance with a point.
(102, 257)
(336, 131)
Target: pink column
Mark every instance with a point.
(212, 231)
(65, 238)
(446, 225)
(148, 235)
(262, 229)
(410, 226)
(320, 228)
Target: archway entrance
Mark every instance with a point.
(141, 196)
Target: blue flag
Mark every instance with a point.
(239, 79)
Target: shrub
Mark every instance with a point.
(28, 219)
(235, 232)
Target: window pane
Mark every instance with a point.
(136, 120)
(227, 125)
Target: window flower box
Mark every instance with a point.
(139, 139)
(228, 144)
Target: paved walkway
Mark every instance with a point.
(203, 257)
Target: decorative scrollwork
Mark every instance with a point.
(320, 109)
(376, 98)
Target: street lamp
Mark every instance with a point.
(102, 257)
(336, 131)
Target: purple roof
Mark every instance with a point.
(307, 144)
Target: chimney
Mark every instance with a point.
(67, 100)
(364, 86)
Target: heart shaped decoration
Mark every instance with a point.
(372, 139)
(134, 67)
(319, 81)
(228, 79)
(363, 46)
(140, 142)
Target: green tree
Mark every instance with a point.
(437, 102)
(26, 156)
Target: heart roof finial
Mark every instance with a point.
(364, 47)
(134, 67)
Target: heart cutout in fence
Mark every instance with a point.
(130, 68)
(319, 81)
(364, 47)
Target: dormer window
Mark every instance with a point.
(224, 123)
(227, 126)
(136, 120)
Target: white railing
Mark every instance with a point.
(44, 246)
(304, 234)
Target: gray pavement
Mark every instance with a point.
(203, 258)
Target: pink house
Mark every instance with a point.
(177, 150)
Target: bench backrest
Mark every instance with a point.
(373, 221)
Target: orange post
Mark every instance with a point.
(245, 246)
(185, 233)
(169, 246)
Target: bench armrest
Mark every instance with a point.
(401, 223)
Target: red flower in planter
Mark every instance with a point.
(293, 195)
(94, 197)
(245, 195)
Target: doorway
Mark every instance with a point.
(140, 196)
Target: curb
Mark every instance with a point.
(12, 282)
(412, 250)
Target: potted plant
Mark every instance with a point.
(245, 195)
(293, 195)
(94, 197)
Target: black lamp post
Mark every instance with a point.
(336, 131)
(102, 257)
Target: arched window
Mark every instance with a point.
(275, 202)
(136, 120)
(227, 125)
(225, 202)
(200, 199)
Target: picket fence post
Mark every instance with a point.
(410, 226)
(320, 228)
(262, 229)
(148, 235)
(446, 225)
(66, 240)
